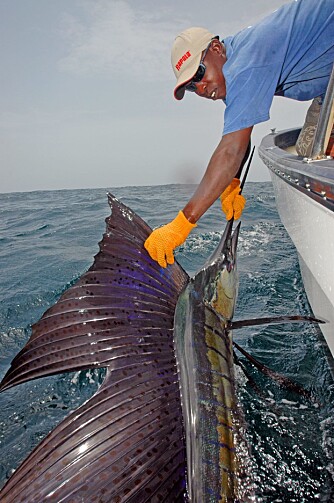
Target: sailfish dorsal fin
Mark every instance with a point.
(126, 442)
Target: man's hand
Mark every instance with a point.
(232, 201)
(162, 242)
(223, 166)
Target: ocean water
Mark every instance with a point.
(48, 239)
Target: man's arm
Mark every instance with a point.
(223, 166)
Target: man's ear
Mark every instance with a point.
(217, 47)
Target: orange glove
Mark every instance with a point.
(161, 243)
(233, 203)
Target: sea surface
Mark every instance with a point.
(48, 239)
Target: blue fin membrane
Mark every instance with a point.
(126, 442)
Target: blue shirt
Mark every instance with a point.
(289, 53)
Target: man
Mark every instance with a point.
(289, 53)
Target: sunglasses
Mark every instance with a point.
(191, 86)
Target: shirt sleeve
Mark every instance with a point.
(249, 97)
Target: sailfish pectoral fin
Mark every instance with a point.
(276, 376)
(234, 325)
(249, 377)
(279, 378)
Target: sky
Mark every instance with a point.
(87, 100)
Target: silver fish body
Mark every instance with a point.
(217, 453)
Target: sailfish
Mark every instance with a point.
(127, 443)
(165, 425)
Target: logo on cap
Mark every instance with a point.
(183, 58)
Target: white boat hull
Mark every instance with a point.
(311, 228)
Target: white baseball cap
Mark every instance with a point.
(186, 56)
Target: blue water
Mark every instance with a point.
(48, 239)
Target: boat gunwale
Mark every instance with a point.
(315, 179)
